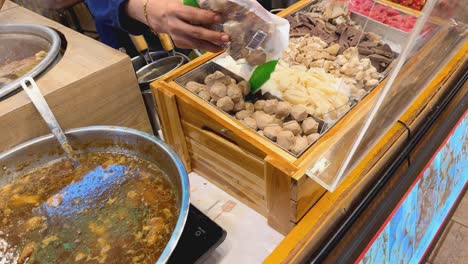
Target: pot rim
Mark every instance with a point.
(150, 66)
(52, 53)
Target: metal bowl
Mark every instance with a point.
(20, 41)
(44, 149)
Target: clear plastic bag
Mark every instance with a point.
(256, 35)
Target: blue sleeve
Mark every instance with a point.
(108, 15)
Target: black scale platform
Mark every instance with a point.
(200, 237)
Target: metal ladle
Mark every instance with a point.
(41, 105)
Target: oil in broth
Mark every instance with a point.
(114, 208)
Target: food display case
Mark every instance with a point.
(273, 179)
(382, 81)
(354, 150)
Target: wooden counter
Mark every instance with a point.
(8, 5)
(92, 84)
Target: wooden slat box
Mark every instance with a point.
(249, 166)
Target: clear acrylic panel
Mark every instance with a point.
(426, 43)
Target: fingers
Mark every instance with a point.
(188, 42)
(197, 15)
(198, 32)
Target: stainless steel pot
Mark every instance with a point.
(163, 59)
(44, 149)
(139, 62)
(157, 69)
(19, 41)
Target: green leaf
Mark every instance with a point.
(261, 75)
(193, 3)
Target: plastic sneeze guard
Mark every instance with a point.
(441, 27)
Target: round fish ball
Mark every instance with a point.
(299, 112)
(300, 144)
(250, 122)
(195, 87)
(283, 109)
(272, 131)
(259, 105)
(270, 106)
(240, 105)
(285, 139)
(313, 137)
(225, 104)
(218, 89)
(234, 92)
(293, 126)
(310, 126)
(205, 95)
(249, 107)
(263, 120)
(245, 87)
(241, 115)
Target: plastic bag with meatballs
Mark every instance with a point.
(256, 35)
(258, 38)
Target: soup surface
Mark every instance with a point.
(12, 70)
(114, 208)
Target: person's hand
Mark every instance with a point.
(181, 22)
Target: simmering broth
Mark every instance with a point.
(114, 208)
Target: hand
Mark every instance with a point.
(181, 22)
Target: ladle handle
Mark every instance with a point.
(166, 42)
(140, 43)
(41, 105)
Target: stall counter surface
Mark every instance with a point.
(8, 5)
(249, 238)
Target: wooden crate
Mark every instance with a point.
(249, 166)
(92, 84)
